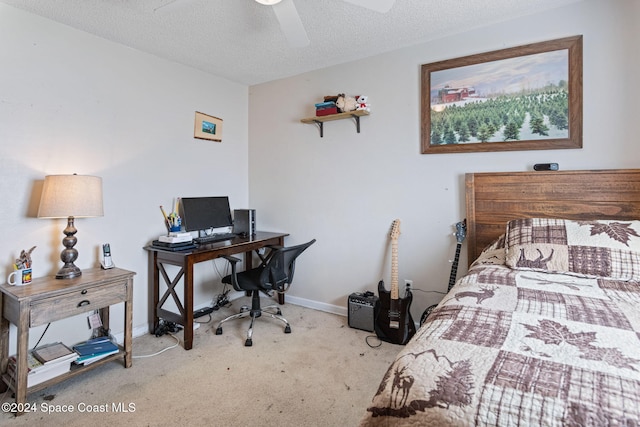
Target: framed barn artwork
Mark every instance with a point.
(521, 98)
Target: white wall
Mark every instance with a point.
(74, 103)
(346, 189)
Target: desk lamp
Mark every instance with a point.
(70, 196)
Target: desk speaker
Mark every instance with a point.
(244, 221)
(361, 307)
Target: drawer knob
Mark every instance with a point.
(84, 302)
(84, 292)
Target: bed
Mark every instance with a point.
(544, 328)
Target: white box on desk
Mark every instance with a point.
(176, 238)
(180, 234)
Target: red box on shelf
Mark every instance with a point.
(326, 111)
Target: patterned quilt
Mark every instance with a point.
(513, 346)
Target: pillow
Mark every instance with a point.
(599, 248)
(492, 254)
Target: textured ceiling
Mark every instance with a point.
(241, 40)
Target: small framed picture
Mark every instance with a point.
(208, 127)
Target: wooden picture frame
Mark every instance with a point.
(207, 127)
(521, 98)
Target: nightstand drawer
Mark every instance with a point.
(77, 302)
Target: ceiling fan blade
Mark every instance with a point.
(290, 23)
(381, 6)
(171, 5)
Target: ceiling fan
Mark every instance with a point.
(288, 17)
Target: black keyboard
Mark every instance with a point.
(218, 237)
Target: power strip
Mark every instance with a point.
(221, 301)
(203, 312)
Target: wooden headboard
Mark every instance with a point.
(493, 199)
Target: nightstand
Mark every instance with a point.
(48, 299)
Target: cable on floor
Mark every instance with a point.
(369, 344)
(161, 351)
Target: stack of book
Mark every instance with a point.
(176, 237)
(179, 246)
(326, 108)
(44, 363)
(93, 350)
(175, 241)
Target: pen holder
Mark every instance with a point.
(174, 228)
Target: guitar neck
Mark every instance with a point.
(394, 270)
(454, 268)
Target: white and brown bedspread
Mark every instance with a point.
(541, 331)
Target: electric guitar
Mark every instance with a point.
(461, 233)
(393, 321)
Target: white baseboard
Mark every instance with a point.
(303, 302)
(321, 306)
(138, 331)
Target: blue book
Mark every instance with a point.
(326, 104)
(96, 346)
(85, 360)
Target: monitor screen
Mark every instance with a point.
(203, 213)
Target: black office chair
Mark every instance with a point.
(274, 274)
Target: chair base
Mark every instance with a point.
(255, 312)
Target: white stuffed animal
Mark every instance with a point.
(346, 103)
(362, 103)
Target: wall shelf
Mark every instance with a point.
(319, 120)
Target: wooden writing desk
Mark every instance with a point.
(158, 258)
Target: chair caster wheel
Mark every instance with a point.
(287, 329)
(219, 331)
(279, 313)
(248, 342)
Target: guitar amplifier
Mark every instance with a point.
(361, 305)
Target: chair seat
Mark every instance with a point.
(248, 280)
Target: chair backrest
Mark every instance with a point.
(278, 272)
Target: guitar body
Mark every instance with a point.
(393, 321)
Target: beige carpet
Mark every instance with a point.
(323, 373)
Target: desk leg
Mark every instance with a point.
(4, 347)
(280, 295)
(22, 369)
(154, 275)
(248, 265)
(188, 305)
(128, 325)
(104, 318)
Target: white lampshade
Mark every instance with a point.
(71, 195)
(269, 2)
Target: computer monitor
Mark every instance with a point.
(204, 213)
